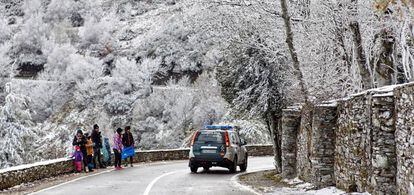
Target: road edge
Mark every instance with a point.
(70, 181)
(235, 181)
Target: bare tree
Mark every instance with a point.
(289, 40)
(359, 49)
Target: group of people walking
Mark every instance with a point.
(92, 149)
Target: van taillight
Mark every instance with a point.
(194, 137)
(226, 136)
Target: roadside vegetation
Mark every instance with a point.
(169, 67)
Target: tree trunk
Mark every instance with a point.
(384, 64)
(360, 56)
(364, 72)
(292, 50)
(273, 126)
(383, 61)
(339, 31)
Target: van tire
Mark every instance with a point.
(243, 167)
(194, 169)
(233, 168)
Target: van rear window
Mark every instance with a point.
(210, 137)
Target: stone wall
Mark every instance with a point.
(160, 155)
(383, 158)
(362, 143)
(28, 173)
(323, 145)
(303, 163)
(352, 145)
(290, 125)
(260, 150)
(404, 137)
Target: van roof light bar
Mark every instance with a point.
(219, 127)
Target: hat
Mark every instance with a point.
(79, 131)
(95, 126)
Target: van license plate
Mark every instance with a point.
(209, 151)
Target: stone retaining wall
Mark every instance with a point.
(303, 163)
(160, 155)
(383, 158)
(290, 125)
(352, 148)
(260, 150)
(404, 137)
(323, 145)
(28, 173)
(362, 143)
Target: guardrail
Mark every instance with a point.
(13, 176)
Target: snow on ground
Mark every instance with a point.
(300, 187)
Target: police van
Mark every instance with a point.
(218, 146)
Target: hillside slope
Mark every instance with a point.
(69, 65)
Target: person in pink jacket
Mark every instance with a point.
(118, 148)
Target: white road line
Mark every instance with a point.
(77, 179)
(96, 174)
(148, 189)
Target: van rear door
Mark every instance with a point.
(209, 145)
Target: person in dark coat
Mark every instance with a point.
(118, 148)
(128, 141)
(80, 140)
(97, 145)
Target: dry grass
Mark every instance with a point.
(264, 180)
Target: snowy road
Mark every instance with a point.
(159, 178)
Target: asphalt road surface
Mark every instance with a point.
(172, 177)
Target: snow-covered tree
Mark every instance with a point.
(6, 32)
(100, 58)
(26, 47)
(5, 71)
(257, 88)
(17, 141)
